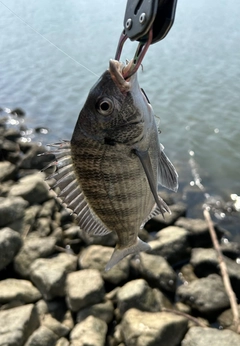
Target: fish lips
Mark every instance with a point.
(118, 71)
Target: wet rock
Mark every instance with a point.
(156, 270)
(158, 222)
(32, 188)
(104, 311)
(97, 256)
(199, 295)
(10, 244)
(205, 262)
(136, 294)
(92, 331)
(32, 249)
(11, 208)
(49, 274)
(84, 288)
(7, 171)
(198, 231)
(153, 329)
(226, 318)
(17, 324)
(210, 336)
(172, 244)
(18, 111)
(21, 290)
(42, 337)
(55, 326)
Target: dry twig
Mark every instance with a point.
(189, 317)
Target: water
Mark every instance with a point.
(192, 77)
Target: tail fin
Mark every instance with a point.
(119, 254)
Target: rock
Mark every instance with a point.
(157, 272)
(209, 336)
(172, 244)
(97, 256)
(104, 311)
(31, 160)
(10, 244)
(11, 208)
(205, 262)
(43, 226)
(56, 308)
(109, 239)
(92, 331)
(48, 208)
(226, 318)
(186, 274)
(158, 222)
(198, 231)
(55, 326)
(29, 219)
(62, 342)
(18, 111)
(49, 274)
(136, 294)
(32, 249)
(7, 171)
(32, 188)
(42, 337)
(22, 290)
(153, 329)
(17, 324)
(84, 288)
(199, 295)
(231, 250)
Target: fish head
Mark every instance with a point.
(116, 109)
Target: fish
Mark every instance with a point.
(108, 173)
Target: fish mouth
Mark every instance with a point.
(118, 72)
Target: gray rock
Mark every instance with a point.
(231, 250)
(153, 329)
(205, 262)
(21, 290)
(136, 294)
(43, 226)
(197, 336)
(104, 311)
(92, 331)
(17, 324)
(226, 318)
(32, 188)
(31, 160)
(29, 219)
(42, 337)
(49, 274)
(172, 244)
(7, 171)
(199, 295)
(32, 249)
(84, 288)
(11, 208)
(10, 244)
(55, 326)
(109, 239)
(186, 274)
(157, 272)
(62, 342)
(48, 208)
(56, 308)
(97, 256)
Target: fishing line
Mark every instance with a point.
(46, 39)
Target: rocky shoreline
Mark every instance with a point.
(53, 287)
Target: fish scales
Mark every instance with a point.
(109, 172)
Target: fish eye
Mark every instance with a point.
(104, 106)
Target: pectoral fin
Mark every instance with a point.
(147, 166)
(167, 175)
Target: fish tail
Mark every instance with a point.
(119, 254)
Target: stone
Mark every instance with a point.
(31, 160)
(104, 311)
(231, 250)
(42, 337)
(158, 222)
(199, 295)
(172, 244)
(136, 294)
(97, 256)
(198, 231)
(11, 209)
(21, 290)
(186, 274)
(198, 336)
(55, 326)
(226, 318)
(56, 308)
(205, 262)
(32, 188)
(158, 273)
(153, 329)
(92, 331)
(62, 342)
(84, 288)
(109, 239)
(49, 274)
(17, 324)
(33, 248)
(48, 208)
(43, 226)
(7, 171)
(10, 244)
